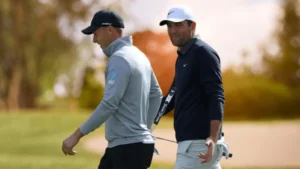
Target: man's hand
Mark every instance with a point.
(210, 150)
(70, 142)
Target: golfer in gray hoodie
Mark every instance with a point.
(131, 99)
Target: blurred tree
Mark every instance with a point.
(161, 53)
(33, 48)
(250, 96)
(37, 44)
(92, 91)
(284, 65)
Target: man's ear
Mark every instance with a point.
(109, 30)
(193, 25)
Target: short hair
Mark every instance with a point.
(119, 30)
(189, 22)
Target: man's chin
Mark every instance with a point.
(175, 44)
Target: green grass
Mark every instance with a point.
(33, 141)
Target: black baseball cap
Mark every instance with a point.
(104, 18)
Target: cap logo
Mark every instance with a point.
(106, 23)
(170, 12)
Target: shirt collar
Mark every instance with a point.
(117, 44)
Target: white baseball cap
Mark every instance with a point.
(178, 14)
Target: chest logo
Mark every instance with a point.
(184, 65)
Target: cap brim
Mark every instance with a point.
(89, 30)
(163, 22)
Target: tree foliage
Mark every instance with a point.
(34, 48)
(284, 65)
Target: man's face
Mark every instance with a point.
(101, 37)
(179, 32)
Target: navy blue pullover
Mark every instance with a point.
(199, 96)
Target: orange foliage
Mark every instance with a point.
(161, 53)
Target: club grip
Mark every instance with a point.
(163, 109)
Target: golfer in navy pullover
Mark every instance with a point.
(199, 98)
(199, 94)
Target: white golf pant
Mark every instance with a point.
(188, 155)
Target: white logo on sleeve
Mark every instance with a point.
(111, 78)
(111, 82)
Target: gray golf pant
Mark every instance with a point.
(188, 155)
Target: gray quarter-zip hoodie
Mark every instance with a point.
(131, 99)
